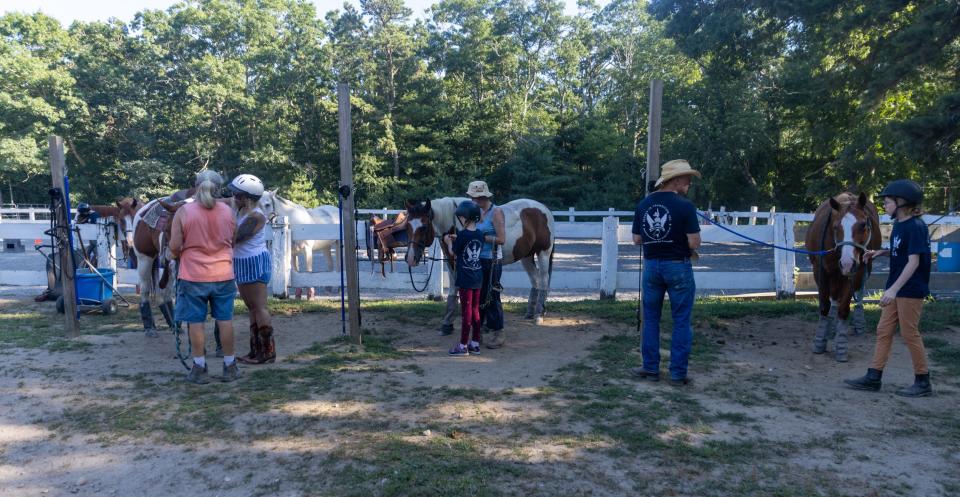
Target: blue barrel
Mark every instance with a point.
(948, 257)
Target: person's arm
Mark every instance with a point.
(873, 254)
(249, 227)
(693, 228)
(913, 262)
(499, 227)
(176, 235)
(637, 239)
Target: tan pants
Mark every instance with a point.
(906, 312)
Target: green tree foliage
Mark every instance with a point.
(778, 103)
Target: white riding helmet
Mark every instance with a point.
(248, 185)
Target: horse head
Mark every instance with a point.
(268, 204)
(420, 222)
(128, 208)
(853, 228)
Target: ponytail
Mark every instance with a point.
(208, 182)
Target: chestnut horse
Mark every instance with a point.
(530, 233)
(150, 247)
(123, 212)
(847, 225)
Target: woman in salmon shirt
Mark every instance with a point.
(202, 238)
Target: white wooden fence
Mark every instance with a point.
(773, 227)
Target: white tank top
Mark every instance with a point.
(254, 245)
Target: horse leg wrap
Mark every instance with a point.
(447, 326)
(166, 309)
(820, 339)
(840, 344)
(149, 327)
(216, 337)
(531, 304)
(832, 325)
(858, 321)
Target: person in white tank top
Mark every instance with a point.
(252, 267)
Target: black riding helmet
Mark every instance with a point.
(905, 189)
(468, 210)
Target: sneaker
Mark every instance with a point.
(459, 350)
(473, 349)
(230, 373)
(643, 374)
(198, 375)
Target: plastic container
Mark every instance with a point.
(93, 291)
(948, 257)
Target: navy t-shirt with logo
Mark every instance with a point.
(468, 246)
(910, 237)
(663, 220)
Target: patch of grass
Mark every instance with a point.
(944, 354)
(440, 466)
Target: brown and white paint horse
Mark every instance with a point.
(529, 238)
(847, 225)
(150, 246)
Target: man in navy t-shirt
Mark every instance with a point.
(665, 224)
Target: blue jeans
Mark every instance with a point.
(193, 298)
(663, 276)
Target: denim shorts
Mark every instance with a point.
(193, 298)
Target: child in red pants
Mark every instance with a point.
(465, 246)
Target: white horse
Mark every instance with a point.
(274, 206)
(530, 235)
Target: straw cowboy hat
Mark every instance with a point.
(479, 189)
(675, 169)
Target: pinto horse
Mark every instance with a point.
(530, 233)
(846, 225)
(151, 234)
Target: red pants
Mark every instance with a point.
(469, 314)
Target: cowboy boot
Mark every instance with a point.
(149, 327)
(820, 339)
(840, 344)
(251, 356)
(268, 350)
(531, 304)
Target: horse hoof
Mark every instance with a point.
(151, 333)
(538, 320)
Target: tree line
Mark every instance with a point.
(777, 103)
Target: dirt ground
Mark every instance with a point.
(553, 413)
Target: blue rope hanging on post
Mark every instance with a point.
(343, 308)
(765, 244)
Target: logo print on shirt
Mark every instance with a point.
(471, 253)
(895, 243)
(656, 222)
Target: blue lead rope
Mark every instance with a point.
(343, 307)
(765, 244)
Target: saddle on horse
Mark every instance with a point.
(384, 235)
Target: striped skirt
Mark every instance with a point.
(253, 269)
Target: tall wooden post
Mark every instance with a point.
(58, 174)
(653, 134)
(349, 223)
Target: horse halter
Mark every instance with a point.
(853, 243)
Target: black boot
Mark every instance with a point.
(920, 387)
(869, 381)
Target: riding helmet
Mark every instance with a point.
(248, 185)
(905, 189)
(468, 210)
(83, 208)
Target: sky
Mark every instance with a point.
(68, 11)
